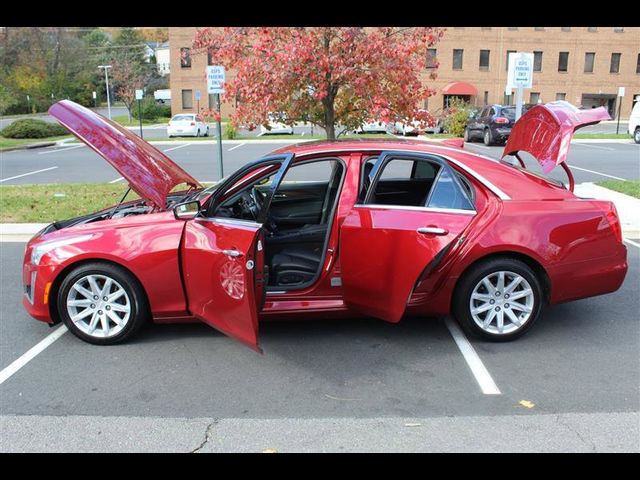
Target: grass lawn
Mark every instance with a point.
(50, 202)
(124, 120)
(629, 187)
(603, 136)
(17, 142)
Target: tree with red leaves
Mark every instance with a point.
(329, 76)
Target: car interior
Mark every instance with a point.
(299, 219)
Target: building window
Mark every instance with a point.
(537, 61)
(512, 28)
(507, 99)
(210, 56)
(589, 58)
(507, 62)
(535, 97)
(565, 29)
(618, 29)
(561, 96)
(432, 61)
(592, 29)
(185, 57)
(563, 61)
(484, 59)
(486, 28)
(539, 29)
(615, 63)
(486, 97)
(187, 99)
(638, 64)
(457, 58)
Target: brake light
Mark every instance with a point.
(501, 120)
(614, 221)
(193, 124)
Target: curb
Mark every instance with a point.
(29, 146)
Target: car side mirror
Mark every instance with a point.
(187, 210)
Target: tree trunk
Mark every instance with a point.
(329, 117)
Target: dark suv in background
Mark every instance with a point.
(492, 124)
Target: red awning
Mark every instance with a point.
(460, 88)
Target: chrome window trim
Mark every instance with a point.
(495, 190)
(420, 209)
(229, 221)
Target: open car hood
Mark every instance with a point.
(150, 173)
(545, 131)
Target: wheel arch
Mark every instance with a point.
(57, 281)
(528, 260)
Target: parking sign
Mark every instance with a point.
(520, 70)
(215, 79)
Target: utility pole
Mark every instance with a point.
(106, 79)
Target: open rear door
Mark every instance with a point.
(223, 266)
(384, 249)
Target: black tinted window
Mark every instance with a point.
(447, 193)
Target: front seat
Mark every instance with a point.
(295, 266)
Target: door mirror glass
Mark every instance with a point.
(187, 210)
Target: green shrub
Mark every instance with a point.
(33, 128)
(150, 110)
(456, 117)
(230, 132)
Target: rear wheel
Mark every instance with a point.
(467, 137)
(102, 303)
(488, 137)
(636, 135)
(498, 300)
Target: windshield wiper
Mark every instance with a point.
(115, 209)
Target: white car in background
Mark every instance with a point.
(187, 125)
(634, 122)
(275, 127)
(372, 127)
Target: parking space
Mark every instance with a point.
(581, 357)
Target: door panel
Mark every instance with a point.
(219, 261)
(382, 255)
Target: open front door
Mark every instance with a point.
(385, 247)
(223, 262)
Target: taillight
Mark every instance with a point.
(501, 120)
(614, 221)
(193, 124)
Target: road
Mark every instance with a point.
(590, 162)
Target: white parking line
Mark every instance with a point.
(31, 353)
(237, 146)
(487, 385)
(117, 180)
(592, 146)
(573, 167)
(631, 242)
(179, 146)
(26, 174)
(65, 149)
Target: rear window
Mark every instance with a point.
(510, 113)
(183, 118)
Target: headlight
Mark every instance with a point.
(39, 250)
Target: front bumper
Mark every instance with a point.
(36, 283)
(182, 132)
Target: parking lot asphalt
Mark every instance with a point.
(580, 359)
(590, 162)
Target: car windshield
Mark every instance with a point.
(182, 118)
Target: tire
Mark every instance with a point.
(206, 133)
(488, 137)
(466, 136)
(198, 133)
(470, 287)
(636, 135)
(133, 298)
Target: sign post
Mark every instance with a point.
(95, 100)
(520, 76)
(620, 97)
(215, 86)
(198, 101)
(139, 94)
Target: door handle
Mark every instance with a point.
(280, 195)
(232, 253)
(433, 230)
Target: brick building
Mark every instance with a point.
(583, 65)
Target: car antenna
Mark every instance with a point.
(115, 209)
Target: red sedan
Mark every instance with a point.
(385, 228)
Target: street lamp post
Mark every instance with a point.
(106, 79)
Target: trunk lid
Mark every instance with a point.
(545, 131)
(150, 173)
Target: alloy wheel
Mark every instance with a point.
(502, 302)
(98, 306)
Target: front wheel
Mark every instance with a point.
(488, 137)
(466, 136)
(498, 300)
(102, 303)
